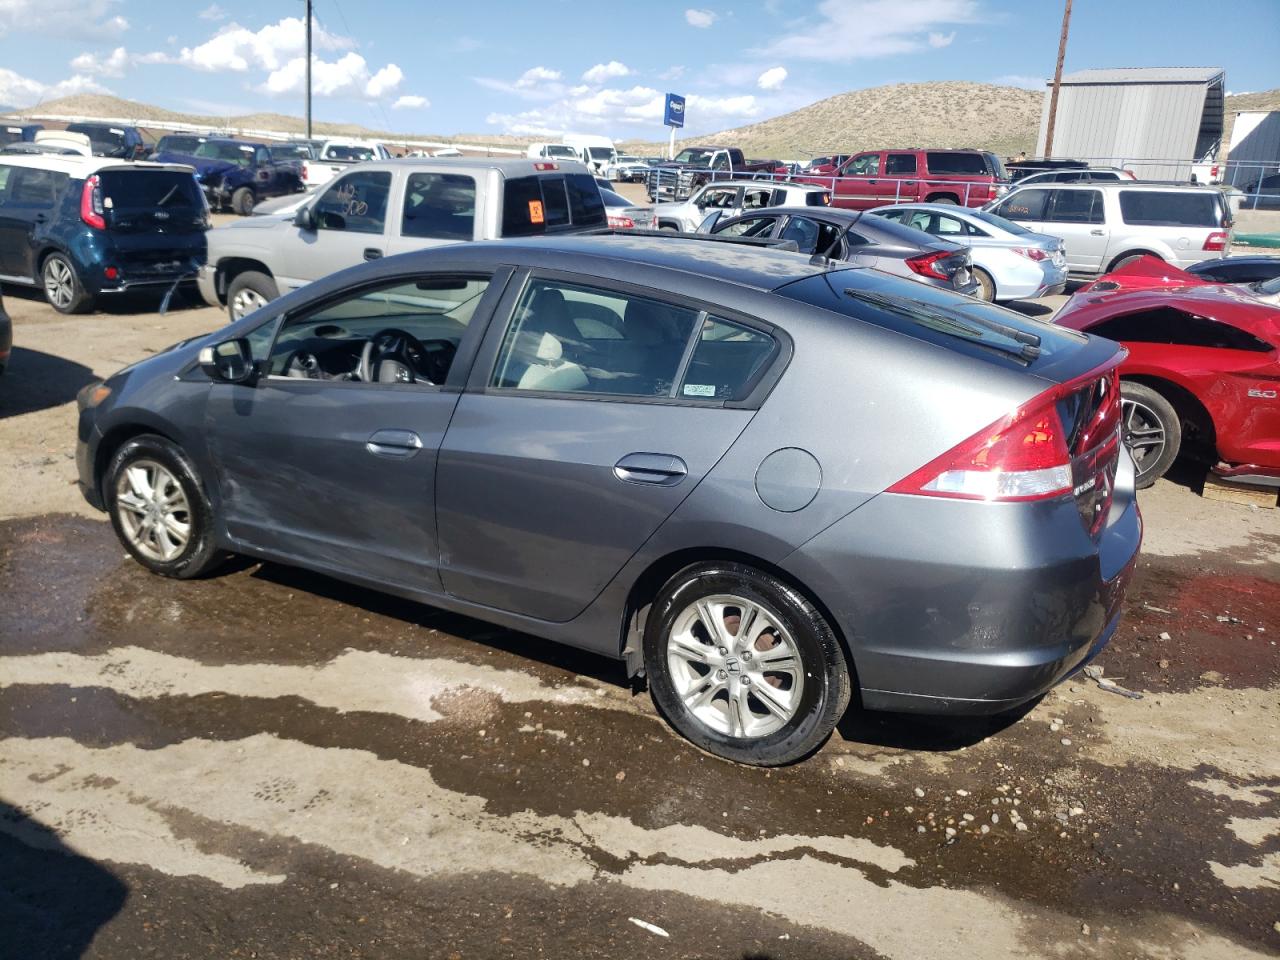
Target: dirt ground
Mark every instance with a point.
(269, 763)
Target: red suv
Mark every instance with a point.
(876, 177)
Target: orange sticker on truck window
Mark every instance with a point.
(535, 211)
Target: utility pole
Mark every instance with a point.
(1057, 81)
(308, 2)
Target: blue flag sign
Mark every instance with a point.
(674, 116)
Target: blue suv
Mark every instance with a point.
(87, 227)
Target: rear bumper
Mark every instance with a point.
(965, 607)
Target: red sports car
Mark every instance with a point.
(1203, 372)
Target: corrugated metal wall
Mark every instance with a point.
(1115, 123)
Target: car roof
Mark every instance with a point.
(746, 265)
(507, 166)
(1125, 185)
(789, 184)
(80, 166)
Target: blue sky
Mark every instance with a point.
(553, 65)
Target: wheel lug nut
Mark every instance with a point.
(746, 654)
(722, 674)
(723, 651)
(746, 681)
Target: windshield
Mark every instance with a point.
(237, 153)
(600, 153)
(997, 166)
(561, 151)
(1001, 223)
(1269, 287)
(700, 158)
(104, 141)
(294, 151)
(354, 154)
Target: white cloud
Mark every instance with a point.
(604, 72)
(862, 29)
(411, 101)
(672, 73)
(19, 91)
(239, 49)
(700, 18)
(1020, 80)
(608, 109)
(940, 40)
(112, 65)
(772, 78)
(536, 76)
(348, 76)
(77, 18)
(213, 12)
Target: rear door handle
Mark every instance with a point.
(372, 253)
(1098, 233)
(394, 444)
(663, 469)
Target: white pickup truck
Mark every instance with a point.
(336, 155)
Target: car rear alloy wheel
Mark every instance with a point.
(158, 508)
(744, 666)
(1151, 430)
(61, 285)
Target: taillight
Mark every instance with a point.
(1129, 174)
(546, 166)
(1031, 253)
(621, 223)
(1215, 241)
(930, 264)
(91, 210)
(304, 172)
(1031, 454)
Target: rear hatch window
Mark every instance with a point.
(551, 203)
(1157, 208)
(142, 199)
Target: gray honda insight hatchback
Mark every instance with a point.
(767, 483)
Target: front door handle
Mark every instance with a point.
(372, 253)
(663, 469)
(1098, 233)
(394, 444)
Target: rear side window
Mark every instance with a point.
(1156, 208)
(538, 204)
(149, 190)
(33, 189)
(727, 361)
(812, 236)
(440, 206)
(817, 198)
(899, 163)
(1168, 325)
(1025, 205)
(567, 338)
(748, 227)
(957, 163)
(1075, 206)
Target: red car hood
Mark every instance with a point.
(1150, 283)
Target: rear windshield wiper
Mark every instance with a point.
(1025, 346)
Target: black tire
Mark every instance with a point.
(246, 289)
(669, 226)
(242, 201)
(1144, 411)
(986, 286)
(61, 284)
(1127, 258)
(821, 701)
(199, 554)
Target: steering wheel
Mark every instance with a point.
(396, 356)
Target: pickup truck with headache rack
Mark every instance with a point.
(694, 166)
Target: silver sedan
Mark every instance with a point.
(1010, 262)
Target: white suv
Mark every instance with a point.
(1103, 225)
(729, 198)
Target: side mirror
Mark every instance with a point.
(305, 218)
(707, 225)
(229, 362)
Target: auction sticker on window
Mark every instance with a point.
(535, 211)
(699, 390)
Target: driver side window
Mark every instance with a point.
(867, 165)
(356, 203)
(397, 333)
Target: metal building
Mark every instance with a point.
(1255, 148)
(1136, 115)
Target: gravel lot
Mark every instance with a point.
(270, 763)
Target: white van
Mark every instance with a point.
(1103, 225)
(551, 151)
(595, 151)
